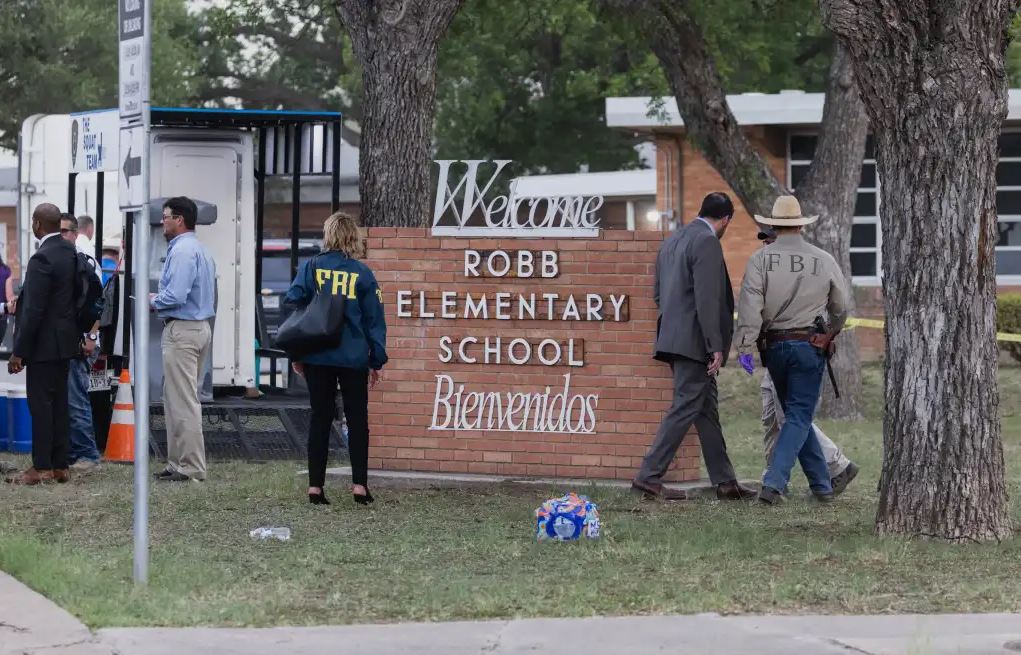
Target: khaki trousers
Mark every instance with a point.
(185, 345)
(772, 421)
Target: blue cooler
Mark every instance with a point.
(19, 420)
(5, 429)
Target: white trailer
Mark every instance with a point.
(220, 158)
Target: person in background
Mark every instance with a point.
(86, 231)
(46, 338)
(84, 455)
(110, 262)
(842, 470)
(5, 275)
(356, 364)
(184, 302)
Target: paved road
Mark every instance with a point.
(31, 624)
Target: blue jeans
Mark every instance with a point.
(797, 368)
(83, 435)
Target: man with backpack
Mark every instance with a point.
(84, 456)
(46, 338)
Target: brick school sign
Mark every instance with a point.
(519, 356)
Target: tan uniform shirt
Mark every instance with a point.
(786, 285)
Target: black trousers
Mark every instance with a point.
(322, 394)
(46, 386)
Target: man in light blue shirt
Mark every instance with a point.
(184, 302)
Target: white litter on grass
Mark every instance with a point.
(283, 534)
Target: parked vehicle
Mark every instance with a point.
(276, 277)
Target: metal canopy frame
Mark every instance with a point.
(287, 131)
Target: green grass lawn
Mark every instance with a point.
(469, 553)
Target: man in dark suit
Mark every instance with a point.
(46, 338)
(695, 330)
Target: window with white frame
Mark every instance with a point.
(866, 237)
(1008, 208)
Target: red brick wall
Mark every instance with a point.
(633, 389)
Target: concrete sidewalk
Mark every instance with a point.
(30, 624)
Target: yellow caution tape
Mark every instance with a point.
(874, 323)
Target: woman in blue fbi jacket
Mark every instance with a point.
(356, 364)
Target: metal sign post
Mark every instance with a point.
(134, 27)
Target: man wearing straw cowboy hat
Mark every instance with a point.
(787, 285)
(842, 470)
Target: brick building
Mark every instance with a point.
(783, 128)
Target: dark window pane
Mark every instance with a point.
(803, 146)
(1008, 173)
(863, 264)
(866, 204)
(1010, 144)
(1010, 234)
(863, 235)
(1008, 202)
(868, 176)
(1008, 263)
(797, 174)
(870, 147)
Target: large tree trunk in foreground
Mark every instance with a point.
(830, 186)
(396, 42)
(933, 80)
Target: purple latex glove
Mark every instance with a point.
(747, 362)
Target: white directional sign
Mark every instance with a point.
(134, 60)
(131, 192)
(94, 141)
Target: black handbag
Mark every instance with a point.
(314, 328)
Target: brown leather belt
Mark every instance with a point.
(797, 334)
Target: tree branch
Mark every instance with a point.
(681, 49)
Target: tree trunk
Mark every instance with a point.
(830, 186)
(934, 85)
(396, 43)
(830, 190)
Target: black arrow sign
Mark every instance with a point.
(132, 167)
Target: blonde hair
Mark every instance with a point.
(340, 232)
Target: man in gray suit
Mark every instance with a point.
(695, 330)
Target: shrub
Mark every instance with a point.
(1008, 319)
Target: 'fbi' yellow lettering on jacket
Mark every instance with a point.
(338, 282)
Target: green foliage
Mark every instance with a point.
(527, 81)
(60, 56)
(766, 45)
(286, 54)
(1008, 319)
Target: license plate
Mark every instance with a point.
(99, 381)
(271, 302)
(99, 376)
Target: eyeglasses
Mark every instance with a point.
(167, 217)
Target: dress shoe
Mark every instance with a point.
(770, 496)
(62, 475)
(363, 499)
(32, 477)
(734, 490)
(163, 475)
(657, 491)
(844, 478)
(318, 499)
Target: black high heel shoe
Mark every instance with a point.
(318, 499)
(363, 499)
